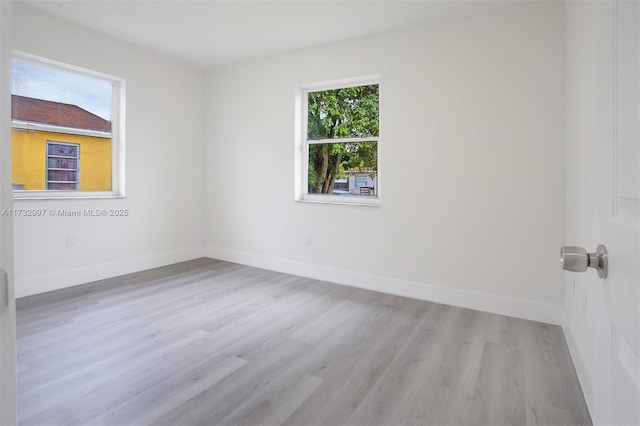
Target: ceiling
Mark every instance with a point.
(211, 33)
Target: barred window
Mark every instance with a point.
(63, 169)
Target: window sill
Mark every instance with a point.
(19, 196)
(349, 200)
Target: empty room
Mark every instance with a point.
(319, 212)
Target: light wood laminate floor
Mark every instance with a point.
(208, 342)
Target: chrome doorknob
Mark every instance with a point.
(577, 259)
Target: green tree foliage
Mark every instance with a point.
(350, 112)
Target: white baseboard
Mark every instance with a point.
(27, 286)
(579, 364)
(501, 305)
(513, 307)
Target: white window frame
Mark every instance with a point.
(301, 161)
(117, 134)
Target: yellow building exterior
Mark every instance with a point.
(29, 159)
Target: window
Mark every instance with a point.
(63, 166)
(338, 138)
(361, 180)
(60, 115)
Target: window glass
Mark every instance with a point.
(63, 136)
(342, 136)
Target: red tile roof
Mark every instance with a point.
(56, 114)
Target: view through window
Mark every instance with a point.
(62, 136)
(342, 135)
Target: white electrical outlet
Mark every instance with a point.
(308, 240)
(71, 241)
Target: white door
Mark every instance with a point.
(616, 303)
(603, 203)
(7, 301)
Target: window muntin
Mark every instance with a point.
(59, 103)
(340, 142)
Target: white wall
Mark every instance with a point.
(473, 109)
(8, 389)
(164, 166)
